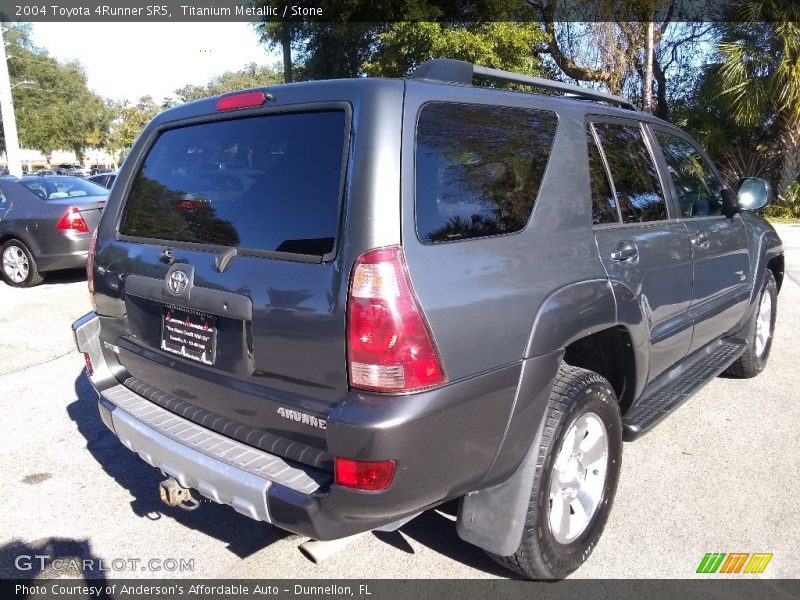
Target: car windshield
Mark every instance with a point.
(52, 188)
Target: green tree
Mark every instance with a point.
(249, 77)
(361, 37)
(56, 111)
(128, 123)
(759, 76)
(506, 45)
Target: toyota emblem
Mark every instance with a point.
(178, 280)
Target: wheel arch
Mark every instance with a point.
(571, 322)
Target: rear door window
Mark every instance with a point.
(604, 203)
(633, 172)
(268, 183)
(478, 168)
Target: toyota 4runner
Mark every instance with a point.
(333, 305)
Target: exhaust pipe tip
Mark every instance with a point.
(317, 551)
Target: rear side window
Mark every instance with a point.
(633, 173)
(478, 168)
(267, 183)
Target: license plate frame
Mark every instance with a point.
(190, 334)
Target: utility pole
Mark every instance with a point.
(9, 120)
(647, 92)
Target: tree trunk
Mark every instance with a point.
(286, 44)
(790, 156)
(647, 92)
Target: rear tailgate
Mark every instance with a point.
(224, 287)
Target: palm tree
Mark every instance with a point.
(759, 78)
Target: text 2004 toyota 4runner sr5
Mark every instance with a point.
(333, 305)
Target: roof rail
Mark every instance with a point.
(459, 71)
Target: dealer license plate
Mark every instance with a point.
(190, 334)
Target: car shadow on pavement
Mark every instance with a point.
(26, 562)
(436, 529)
(242, 536)
(66, 276)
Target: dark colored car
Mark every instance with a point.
(104, 179)
(69, 169)
(46, 223)
(398, 293)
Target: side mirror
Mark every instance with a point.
(753, 194)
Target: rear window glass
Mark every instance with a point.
(54, 188)
(478, 168)
(268, 183)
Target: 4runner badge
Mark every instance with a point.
(294, 415)
(178, 280)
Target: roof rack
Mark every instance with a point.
(459, 71)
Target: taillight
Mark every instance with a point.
(90, 268)
(363, 475)
(242, 100)
(389, 346)
(73, 219)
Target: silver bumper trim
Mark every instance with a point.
(221, 469)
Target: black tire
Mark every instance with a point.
(33, 276)
(540, 555)
(751, 363)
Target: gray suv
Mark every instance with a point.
(333, 305)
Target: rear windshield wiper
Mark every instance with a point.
(223, 260)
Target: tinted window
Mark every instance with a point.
(604, 204)
(52, 188)
(633, 173)
(699, 189)
(478, 169)
(262, 183)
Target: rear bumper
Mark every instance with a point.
(57, 262)
(443, 440)
(65, 251)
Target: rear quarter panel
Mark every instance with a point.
(482, 296)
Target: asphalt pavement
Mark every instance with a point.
(719, 475)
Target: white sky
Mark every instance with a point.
(125, 61)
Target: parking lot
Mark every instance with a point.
(720, 475)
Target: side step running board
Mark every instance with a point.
(676, 386)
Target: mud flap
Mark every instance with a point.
(494, 518)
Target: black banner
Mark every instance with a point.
(282, 589)
(373, 11)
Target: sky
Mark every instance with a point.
(125, 61)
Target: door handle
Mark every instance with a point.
(624, 251)
(700, 240)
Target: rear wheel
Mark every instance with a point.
(576, 477)
(17, 265)
(755, 356)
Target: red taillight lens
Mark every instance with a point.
(363, 475)
(244, 100)
(90, 268)
(73, 219)
(88, 361)
(389, 346)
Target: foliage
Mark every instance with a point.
(362, 37)
(250, 76)
(757, 81)
(128, 123)
(506, 45)
(57, 110)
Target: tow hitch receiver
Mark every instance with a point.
(173, 494)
